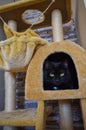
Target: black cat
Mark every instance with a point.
(57, 76)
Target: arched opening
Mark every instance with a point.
(59, 72)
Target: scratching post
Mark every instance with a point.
(83, 106)
(12, 24)
(57, 26)
(66, 122)
(10, 103)
(10, 89)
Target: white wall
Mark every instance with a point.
(79, 14)
(81, 21)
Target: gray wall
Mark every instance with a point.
(1, 90)
(2, 37)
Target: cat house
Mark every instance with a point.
(34, 77)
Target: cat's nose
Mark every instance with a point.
(57, 80)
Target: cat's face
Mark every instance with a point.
(56, 75)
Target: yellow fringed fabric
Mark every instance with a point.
(17, 51)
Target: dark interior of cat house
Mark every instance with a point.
(66, 78)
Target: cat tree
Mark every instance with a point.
(34, 88)
(34, 117)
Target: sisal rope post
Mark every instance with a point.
(66, 122)
(83, 106)
(10, 88)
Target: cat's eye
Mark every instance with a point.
(62, 74)
(52, 75)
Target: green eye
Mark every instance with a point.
(52, 75)
(62, 74)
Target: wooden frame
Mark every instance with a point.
(18, 4)
(14, 11)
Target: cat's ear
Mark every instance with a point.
(47, 64)
(65, 64)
